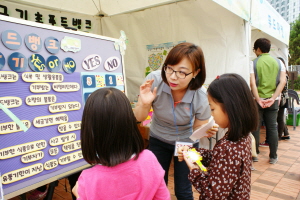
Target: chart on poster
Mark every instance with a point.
(46, 75)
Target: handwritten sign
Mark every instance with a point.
(66, 106)
(31, 157)
(40, 87)
(12, 127)
(50, 120)
(53, 151)
(51, 164)
(22, 173)
(66, 159)
(21, 149)
(11, 102)
(66, 87)
(34, 100)
(8, 76)
(42, 77)
(71, 146)
(70, 126)
(62, 139)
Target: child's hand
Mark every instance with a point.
(191, 165)
(180, 151)
(212, 131)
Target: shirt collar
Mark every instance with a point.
(188, 96)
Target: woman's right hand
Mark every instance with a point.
(146, 95)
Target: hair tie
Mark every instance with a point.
(218, 77)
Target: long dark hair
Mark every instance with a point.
(109, 133)
(195, 55)
(234, 95)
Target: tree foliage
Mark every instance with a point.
(294, 45)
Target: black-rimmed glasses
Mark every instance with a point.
(179, 74)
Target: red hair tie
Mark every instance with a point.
(218, 77)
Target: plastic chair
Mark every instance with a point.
(293, 96)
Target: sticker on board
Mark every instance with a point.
(112, 64)
(88, 81)
(69, 65)
(11, 39)
(53, 64)
(50, 164)
(53, 151)
(37, 63)
(11, 102)
(2, 60)
(52, 45)
(70, 44)
(17, 62)
(8, 76)
(33, 42)
(86, 96)
(91, 62)
(110, 80)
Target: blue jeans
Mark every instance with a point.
(269, 116)
(164, 153)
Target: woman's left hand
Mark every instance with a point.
(212, 131)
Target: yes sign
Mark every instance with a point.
(91, 62)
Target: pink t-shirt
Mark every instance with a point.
(141, 179)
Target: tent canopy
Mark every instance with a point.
(95, 7)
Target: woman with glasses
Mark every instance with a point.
(179, 106)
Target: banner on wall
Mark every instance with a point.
(79, 22)
(46, 75)
(156, 55)
(267, 19)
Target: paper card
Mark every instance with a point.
(201, 132)
(1, 189)
(180, 144)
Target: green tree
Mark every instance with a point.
(294, 46)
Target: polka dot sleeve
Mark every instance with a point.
(229, 173)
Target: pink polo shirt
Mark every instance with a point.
(141, 179)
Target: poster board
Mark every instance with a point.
(46, 75)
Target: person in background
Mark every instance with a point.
(282, 128)
(179, 105)
(283, 103)
(111, 141)
(267, 79)
(228, 165)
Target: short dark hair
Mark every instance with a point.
(109, 132)
(234, 95)
(195, 55)
(263, 44)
